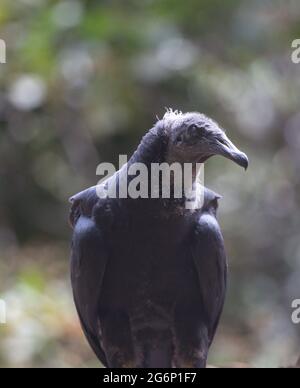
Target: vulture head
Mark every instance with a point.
(194, 138)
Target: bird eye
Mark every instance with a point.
(196, 130)
(179, 139)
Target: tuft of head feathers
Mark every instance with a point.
(172, 114)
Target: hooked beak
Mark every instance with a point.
(224, 147)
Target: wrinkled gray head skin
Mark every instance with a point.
(194, 137)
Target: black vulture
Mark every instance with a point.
(149, 275)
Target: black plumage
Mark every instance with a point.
(149, 275)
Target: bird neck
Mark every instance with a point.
(152, 154)
(152, 148)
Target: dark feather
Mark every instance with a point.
(152, 271)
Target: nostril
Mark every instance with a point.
(222, 141)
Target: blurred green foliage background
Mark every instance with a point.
(83, 81)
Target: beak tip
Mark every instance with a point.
(227, 149)
(241, 159)
(245, 162)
